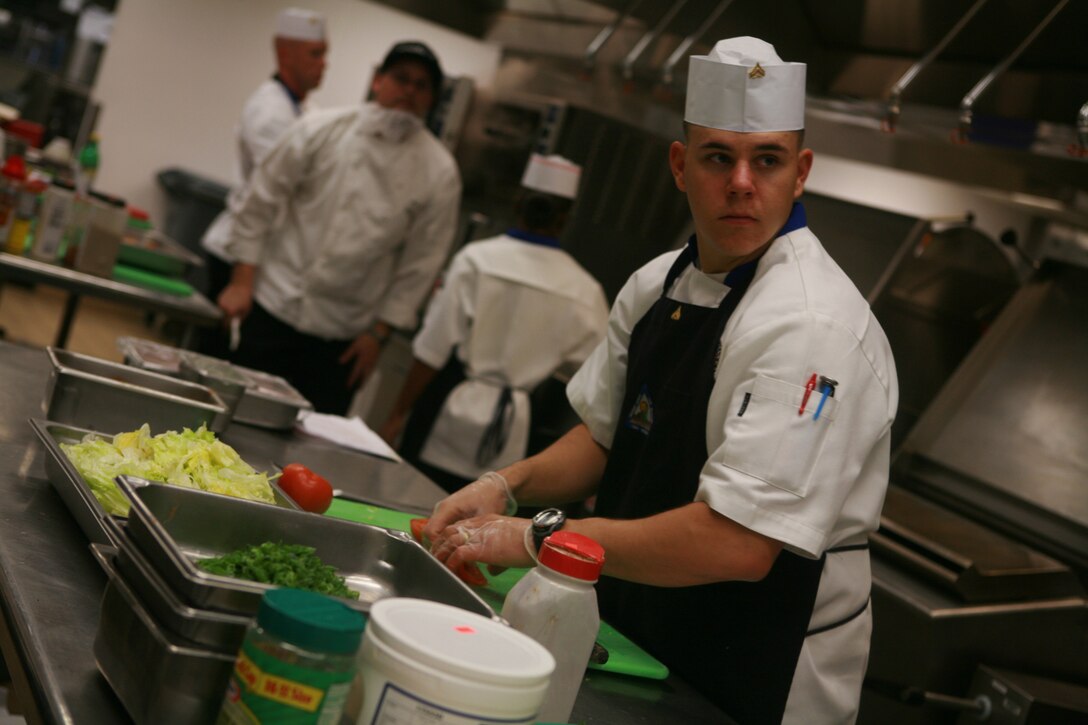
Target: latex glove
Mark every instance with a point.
(492, 539)
(362, 354)
(489, 494)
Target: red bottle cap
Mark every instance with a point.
(573, 554)
(14, 168)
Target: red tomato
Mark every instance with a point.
(468, 573)
(309, 490)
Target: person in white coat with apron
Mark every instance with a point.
(512, 311)
(736, 427)
(300, 45)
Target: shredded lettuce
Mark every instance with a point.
(194, 459)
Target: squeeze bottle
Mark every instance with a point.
(556, 604)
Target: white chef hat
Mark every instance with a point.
(552, 175)
(742, 85)
(300, 24)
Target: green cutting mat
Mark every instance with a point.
(624, 656)
(150, 280)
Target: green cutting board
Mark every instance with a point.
(150, 280)
(624, 656)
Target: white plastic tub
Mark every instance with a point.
(430, 660)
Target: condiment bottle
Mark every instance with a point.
(12, 178)
(296, 663)
(53, 221)
(556, 604)
(26, 208)
(88, 164)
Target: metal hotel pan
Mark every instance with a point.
(86, 391)
(268, 401)
(157, 679)
(75, 492)
(217, 631)
(173, 527)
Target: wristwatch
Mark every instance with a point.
(546, 523)
(380, 337)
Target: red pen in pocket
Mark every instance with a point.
(809, 387)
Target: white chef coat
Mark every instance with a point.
(369, 219)
(268, 112)
(813, 488)
(514, 312)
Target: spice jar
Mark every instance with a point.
(296, 663)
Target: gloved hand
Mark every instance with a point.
(492, 539)
(489, 494)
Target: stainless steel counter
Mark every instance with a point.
(194, 309)
(50, 586)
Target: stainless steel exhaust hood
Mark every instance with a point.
(1018, 67)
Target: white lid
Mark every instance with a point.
(458, 641)
(299, 24)
(552, 175)
(742, 85)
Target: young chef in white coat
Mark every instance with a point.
(736, 427)
(513, 310)
(341, 232)
(300, 45)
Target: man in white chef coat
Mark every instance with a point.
(735, 426)
(300, 45)
(341, 232)
(512, 311)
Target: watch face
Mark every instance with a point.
(548, 518)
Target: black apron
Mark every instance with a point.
(736, 642)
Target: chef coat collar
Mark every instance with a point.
(295, 100)
(797, 220)
(541, 239)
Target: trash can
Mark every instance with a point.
(193, 203)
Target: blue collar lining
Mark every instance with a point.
(797, 220)
(541, 239)
(295, 100)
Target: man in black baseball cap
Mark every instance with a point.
(415, 53)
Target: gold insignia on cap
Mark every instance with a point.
(757, 72)
(676, 314)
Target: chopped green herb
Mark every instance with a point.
(284, 565)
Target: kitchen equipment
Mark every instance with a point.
(269, 401)
(623, 656)
(156, 252)
(174, 527)
(157, 678)
(73, 490)
(87, 391)
(219, 375)
(216, 631)
(151, 280)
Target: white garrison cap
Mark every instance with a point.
(552, 175)
(742, 85)
(299, 24)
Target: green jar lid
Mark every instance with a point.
(311, 621)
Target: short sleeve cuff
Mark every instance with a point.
(737, 501)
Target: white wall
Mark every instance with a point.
(176, 73)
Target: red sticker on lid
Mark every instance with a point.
(464, 629)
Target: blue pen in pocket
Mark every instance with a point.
(827, 390)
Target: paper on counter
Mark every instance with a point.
(349, 432)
